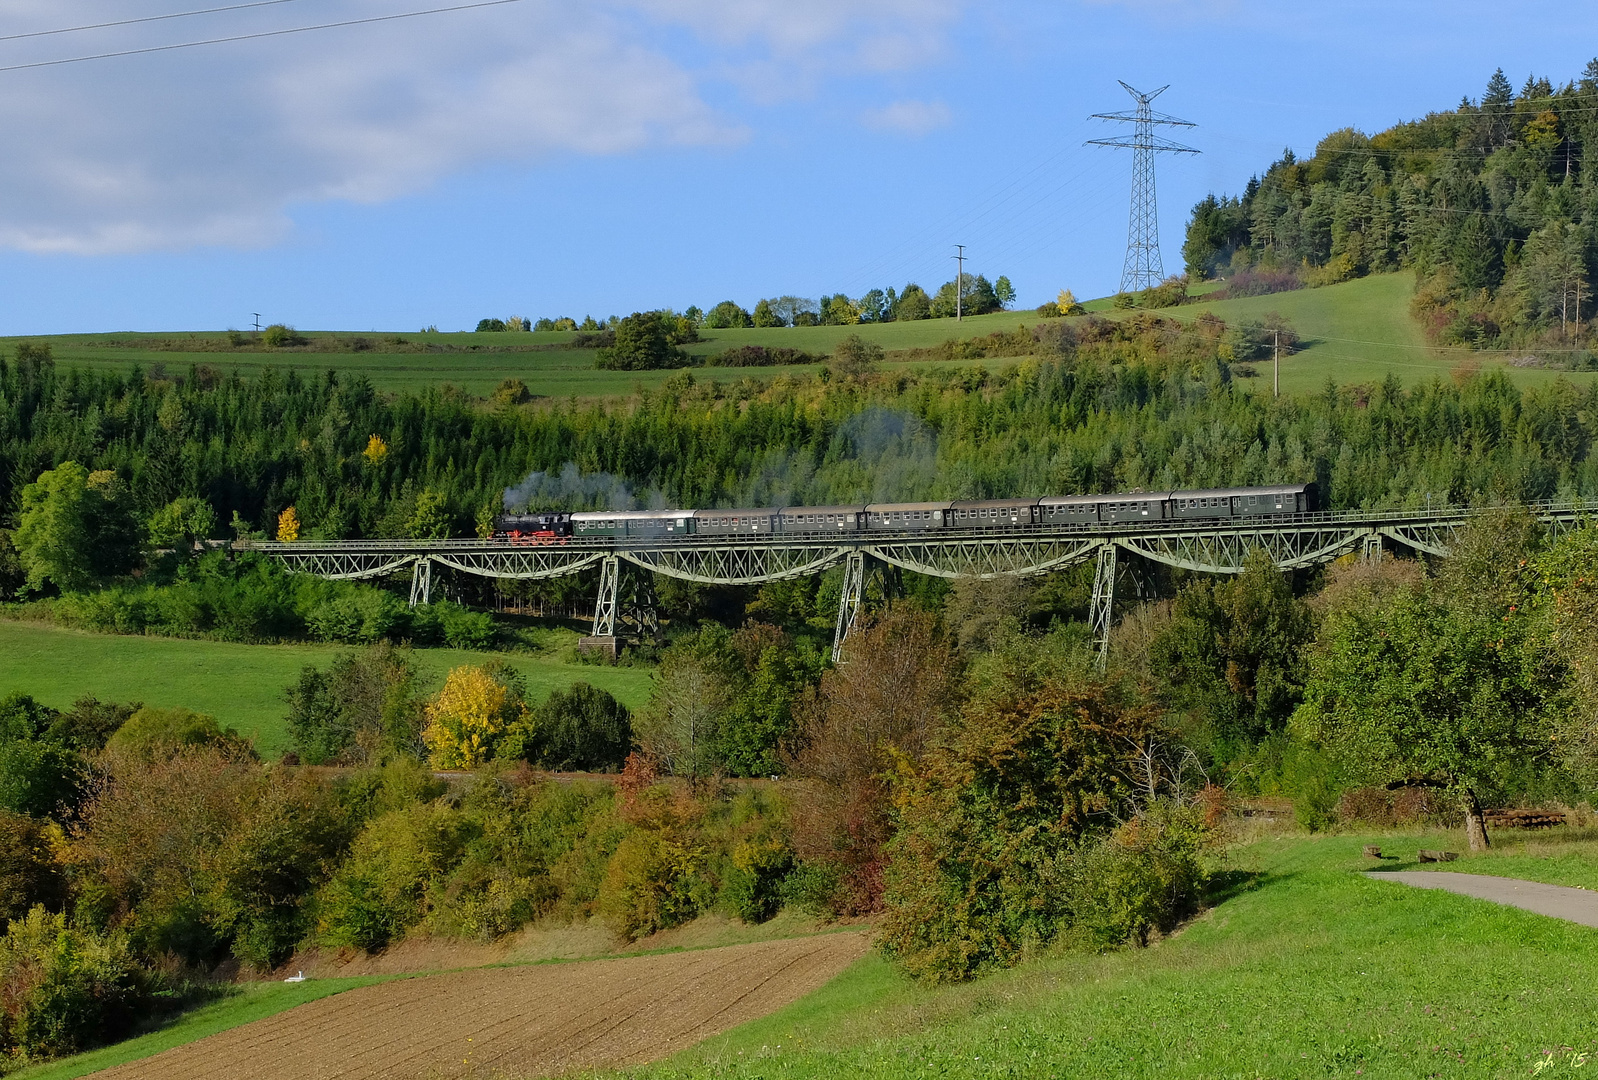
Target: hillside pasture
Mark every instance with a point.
(1358, 331)
(241, 685)
(1305, 968)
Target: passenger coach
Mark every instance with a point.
(1135, 506)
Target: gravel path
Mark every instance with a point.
(536, 1020)
(1556, 901)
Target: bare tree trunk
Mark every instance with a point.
(1475, 823)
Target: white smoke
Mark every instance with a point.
(572, 489)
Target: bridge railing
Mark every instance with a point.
(866, 537)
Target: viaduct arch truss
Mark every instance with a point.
(1215, 547)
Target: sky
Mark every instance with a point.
(560, 157)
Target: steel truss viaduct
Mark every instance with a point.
(1120, 552)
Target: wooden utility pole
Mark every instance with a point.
(1276, 363)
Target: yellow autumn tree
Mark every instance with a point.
(1066, 302)
(468, 717)
(376, 450)
(288, 526)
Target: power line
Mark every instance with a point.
(145, 19)
(257, 36)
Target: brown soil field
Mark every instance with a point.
(537, 1020)
(549, 940)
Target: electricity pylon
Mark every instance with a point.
(1144, 267)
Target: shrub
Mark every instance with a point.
(29, 871)
(811, 887)
(655, 879)
(448, 623)
(200, 854)
(63, 989)
(582, 727)
(490, 326)
(652, 883)
(358, 616)
(870, 718)
(1147, 876)
(752, 888)
(1168, 293)
(1391, 809)
(21, 717)
(279, 336)
(1260, 281)
(376, 894)
(151, 734)
(981, 870)
(90, 723)
(854, 357)
(41, 779)
(363, 703)
(276, 854)
(759, 356)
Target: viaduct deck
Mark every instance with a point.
(1217, 546)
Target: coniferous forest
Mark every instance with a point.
(1104, 405)
(1491, 204)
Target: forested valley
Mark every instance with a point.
(969, 775)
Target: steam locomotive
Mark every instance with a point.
(1147, 506)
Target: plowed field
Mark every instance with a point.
(536, 1021)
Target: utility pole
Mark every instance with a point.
(1276, 363)
(1143, 267)
(959, 282)
(257, 315)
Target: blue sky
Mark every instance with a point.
(546, 158)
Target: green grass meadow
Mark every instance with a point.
(1311, 969)
(1355, 332)
(241, 685)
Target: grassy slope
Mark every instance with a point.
(1314, 970)
(1358, 331)
(1317, 971)
(557, 373)
(242, 685)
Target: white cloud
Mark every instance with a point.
(216, 145)
(908, 117)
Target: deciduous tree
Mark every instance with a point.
(1447, 684)
(75, 528)
(473, 711)
(868, 722)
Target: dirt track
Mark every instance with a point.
(537, 1020)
